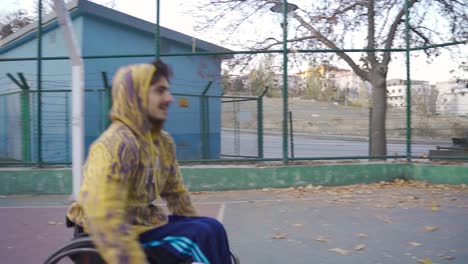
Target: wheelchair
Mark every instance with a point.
(81, 250)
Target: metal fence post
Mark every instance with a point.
(25, 116)
(260, 123)
(370, 131)
(39, 86)
(25, 119)
(67, 126)
(408, 84)
(108, 97)
(100, 112)
(285, 82)
(204, 125)
(158, 33)
(291, 135)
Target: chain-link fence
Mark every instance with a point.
(194, 118)
(241, 121)
(324, 109)
(11, 127)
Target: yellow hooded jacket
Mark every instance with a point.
(128, 167)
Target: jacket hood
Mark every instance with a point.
(130, 88)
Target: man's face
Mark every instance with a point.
(159, 99)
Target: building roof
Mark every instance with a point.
(85, 7)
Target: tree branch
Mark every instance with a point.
(371, 32)
(426, 40)
(231, 6)
(278, 42)
(337, 12)
(389, 8)
(361, 73)
(393, 29)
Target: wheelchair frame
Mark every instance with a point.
(84, 244)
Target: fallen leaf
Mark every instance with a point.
(339, 251)
(425, 261)
(362, 235)
(360, 247)
(448, 257)
(280, 236)
(297, 225)
(384, 218)
(400, 181)
(431, 228)
(415, 244)
(435, 207)
(321, 239)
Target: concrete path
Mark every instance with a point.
(400, 222)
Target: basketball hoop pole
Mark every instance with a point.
(77, 94)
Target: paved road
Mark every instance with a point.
(33, 227)
(389, 222)
(307, 146)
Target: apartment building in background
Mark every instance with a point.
(453, 97)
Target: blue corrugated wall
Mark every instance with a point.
(191, 75)
(101, 37)
(56, 75)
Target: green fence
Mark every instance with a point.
(242, 135)
(282, 126)
(20, 134)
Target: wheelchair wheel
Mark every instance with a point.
(75, 249)
(235, 259)
(69, 253)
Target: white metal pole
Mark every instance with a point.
(77, 95)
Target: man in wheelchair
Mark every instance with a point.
(128, 167)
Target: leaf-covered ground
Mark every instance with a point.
(386, 222)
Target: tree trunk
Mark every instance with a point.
(378, 139)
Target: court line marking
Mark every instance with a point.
(221, 210)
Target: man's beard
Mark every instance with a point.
(156, 122)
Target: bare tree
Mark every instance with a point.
(17, 19)
(14, 21)
(20, 18)
(325, 24)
